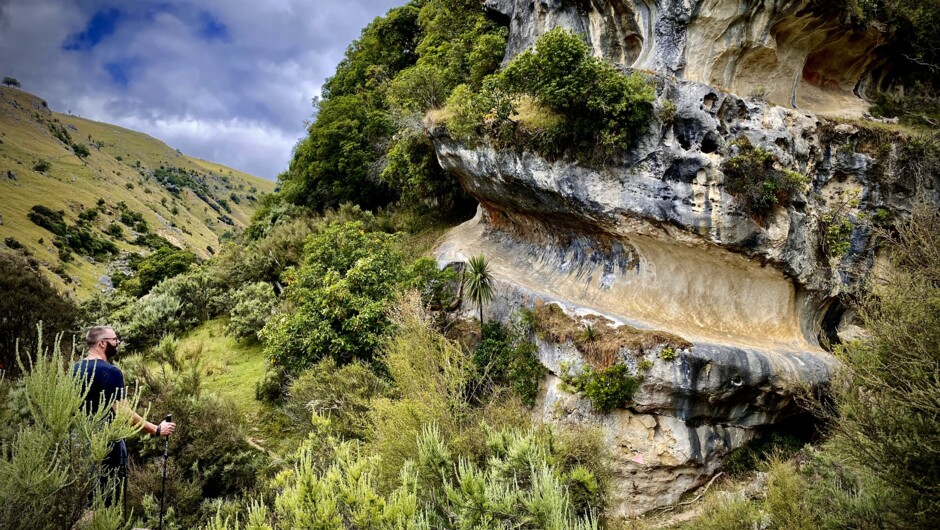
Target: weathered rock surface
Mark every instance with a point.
(657, 457)
(789, 51)
(654, 240)
(690, 412)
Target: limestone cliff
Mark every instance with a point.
(794, 52)
(654, 240)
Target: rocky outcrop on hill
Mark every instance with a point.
(656, 240)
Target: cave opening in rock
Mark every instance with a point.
(829, 325)
(710, 143)
(781, 439)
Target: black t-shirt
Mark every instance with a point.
(102, 379)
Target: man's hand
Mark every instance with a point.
(166, 428)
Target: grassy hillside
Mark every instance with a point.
(231, 368)
(190, 202)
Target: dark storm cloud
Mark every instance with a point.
(223, 80)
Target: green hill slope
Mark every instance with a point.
(127, 185)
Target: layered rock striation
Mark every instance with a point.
(655, 240)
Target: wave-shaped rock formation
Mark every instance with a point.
(655, 241)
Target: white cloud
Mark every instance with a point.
(235, 91)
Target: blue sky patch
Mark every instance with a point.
(120, 71)
(212, 29)
(102, 24)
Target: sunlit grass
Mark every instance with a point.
(231, 368)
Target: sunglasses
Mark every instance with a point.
(116, 340)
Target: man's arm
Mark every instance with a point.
(120, 404)
(165, 428)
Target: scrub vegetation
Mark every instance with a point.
(316, 362)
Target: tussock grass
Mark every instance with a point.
(534, 117)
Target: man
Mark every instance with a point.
(103, 379)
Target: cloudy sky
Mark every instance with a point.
(226, 80)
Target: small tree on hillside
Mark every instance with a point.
(479, 282)
(11, 81)
(81, 150)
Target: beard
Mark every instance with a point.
(110, 351)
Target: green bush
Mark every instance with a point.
(736, 513)
(418, 89)
(59, 131)
(668, 354)
(607, 389)
(338, 396)
(28, 300)
(201, 294)
(838, 234)
(13, 244)
(265, 258)
(51, 220)
(412, 168)
(130, 218)
(505, 358)
(210, 456)
(403, 64)
(146, 320)
(601, 106)
(89, 215)
(338, 299)
(466, 110)
(115, 230)
(162, 263)
(460, 40)
(70, 238)
(252, 307)
(174, 305)
(518, 487)
(81, 150)
(42, 166)
(334, 163)
(750, 175)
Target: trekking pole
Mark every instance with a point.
(166, 452)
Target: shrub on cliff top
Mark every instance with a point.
(600, 105)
